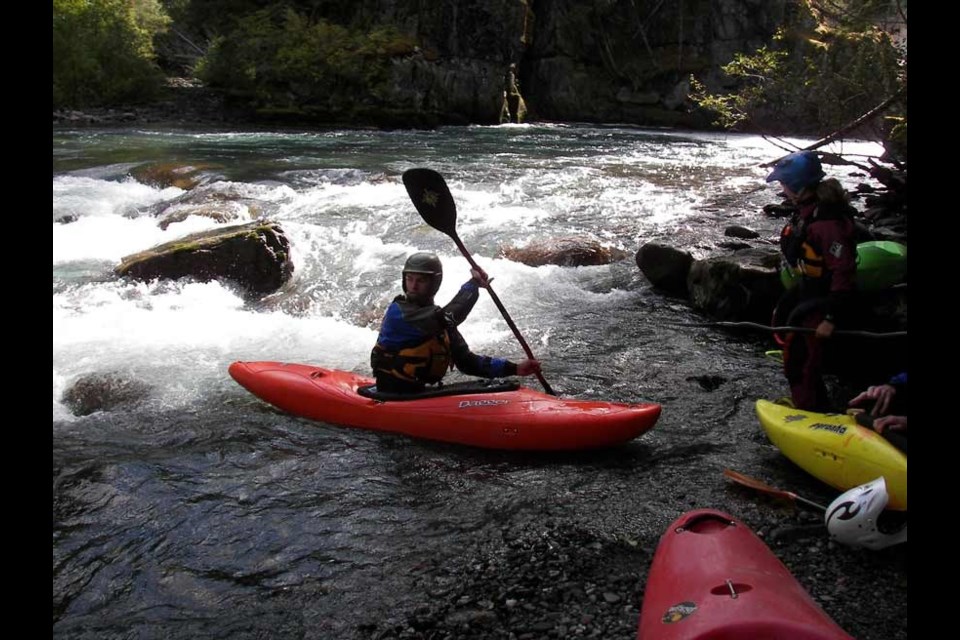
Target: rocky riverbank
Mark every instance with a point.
(552, 581)
(183, 102)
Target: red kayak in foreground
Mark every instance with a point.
(495, 415)
(714, 579)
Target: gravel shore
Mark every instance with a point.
(554, 581)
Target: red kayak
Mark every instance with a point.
(493, 415)
(714, 579)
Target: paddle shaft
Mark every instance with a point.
(809, 503)
(503, 311)
(753, 483)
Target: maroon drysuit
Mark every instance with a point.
(821, 242)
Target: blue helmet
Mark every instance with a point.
(798, 171)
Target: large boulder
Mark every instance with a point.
(742, 286)
(254, 256)
(665, 267)
(570, 251)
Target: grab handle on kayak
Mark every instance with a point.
(705, 523)
(733, 591)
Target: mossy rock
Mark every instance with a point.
(253, 256)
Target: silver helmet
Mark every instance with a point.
(425, 262)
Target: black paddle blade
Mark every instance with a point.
(430, 195)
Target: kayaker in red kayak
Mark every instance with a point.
(419, 340)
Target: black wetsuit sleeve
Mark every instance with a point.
(477, 365)
(462, 304)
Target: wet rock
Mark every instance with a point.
(736, 231)
(102, 392)
(572, 251)
(733, 246)
(220, 212)
(664, 266)
(169, 174)
(254, 256)
(743, 286)
(220, 201)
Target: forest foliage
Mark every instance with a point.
(831, 63)
(103, 51)
(279, 59)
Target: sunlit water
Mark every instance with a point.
(196, 499)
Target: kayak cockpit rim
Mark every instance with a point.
(456, 389)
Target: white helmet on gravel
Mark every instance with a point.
(852, 518)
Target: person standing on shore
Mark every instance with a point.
(819, 245)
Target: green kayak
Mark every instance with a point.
(880, 264)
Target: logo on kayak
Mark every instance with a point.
(678, 612)
(836, 428)
(465, 404)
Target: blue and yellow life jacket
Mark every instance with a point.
(426, 362)
(802, 257)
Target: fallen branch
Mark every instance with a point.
(835, 159)
(859, 121)
(789, 329)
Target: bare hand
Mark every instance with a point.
(893, 423)
(824, 329)
(480, 277)
(882, 395)
(528, 367)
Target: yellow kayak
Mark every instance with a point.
(835, 449)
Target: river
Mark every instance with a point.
(195, 510)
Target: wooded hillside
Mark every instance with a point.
(779, 66)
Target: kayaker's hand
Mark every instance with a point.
(893, 423)
(479, 276)
(528, 367)
(882, 395)
(825, 329)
